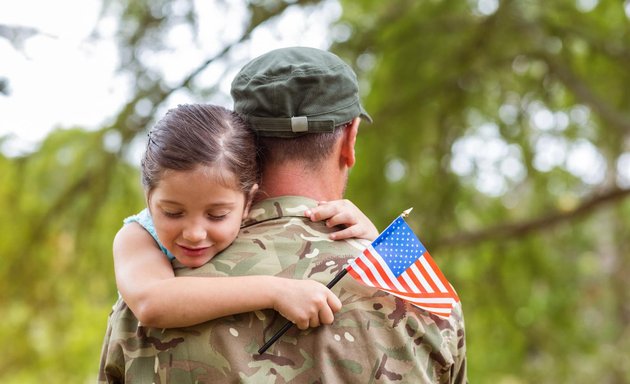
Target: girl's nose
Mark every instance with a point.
(194, 233)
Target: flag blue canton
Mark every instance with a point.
(398, 246)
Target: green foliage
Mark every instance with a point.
(531, 247)
(57, 277)
(480, 115)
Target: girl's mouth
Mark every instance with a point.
(193, 252)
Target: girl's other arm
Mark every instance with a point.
(147, 283)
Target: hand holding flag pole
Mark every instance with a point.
(289, 324)
(397, 263)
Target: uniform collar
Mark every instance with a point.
(278, 207)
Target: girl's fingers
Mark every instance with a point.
(302, 324)
(334, 303)
(341, 219)
(326, 316)
(321, 212)
(328, 209)
(347, 233)
(314, 321)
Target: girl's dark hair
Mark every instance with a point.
(201, 134)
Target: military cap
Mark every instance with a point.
(290, 92)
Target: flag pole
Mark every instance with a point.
(332, 282)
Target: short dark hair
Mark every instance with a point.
(201, 134)
(311, 148)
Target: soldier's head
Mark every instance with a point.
(299, 101)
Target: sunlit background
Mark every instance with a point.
(65, 70)
(505, 124)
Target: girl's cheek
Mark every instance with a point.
(230, 232)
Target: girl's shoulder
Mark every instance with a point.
(146, 221)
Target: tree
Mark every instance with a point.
(503, 124)
(485, 114)
(65, 202)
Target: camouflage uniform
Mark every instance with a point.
(376, 338)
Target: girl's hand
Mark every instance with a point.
(344, 213)
(306, 303)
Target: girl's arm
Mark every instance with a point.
(344, 213)
(147, 283)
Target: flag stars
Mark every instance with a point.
(399, 247)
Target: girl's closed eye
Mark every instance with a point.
(172, 214)
(218, 216)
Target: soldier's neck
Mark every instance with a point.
(320, 185)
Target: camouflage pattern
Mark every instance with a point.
(376, 338)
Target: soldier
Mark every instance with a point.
(304, 105)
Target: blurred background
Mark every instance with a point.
(505, 124)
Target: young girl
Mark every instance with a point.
(199, 174)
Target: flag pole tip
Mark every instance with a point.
(406, 212)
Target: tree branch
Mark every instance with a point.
(513, 230)
(584, 93)
(158, 93)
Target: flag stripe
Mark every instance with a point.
(375, 269)
(442, 299)
(375, 263)
(358, 274)
(415, 269)
(410, 285)
(386, 275)
(443, 280)
(435, 279)
(427, 277)
(442, 296)
(368, 270)
(365, 272)
(398, 263)
(432, 307)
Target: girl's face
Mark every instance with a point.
(195, 215)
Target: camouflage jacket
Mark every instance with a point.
(376, 338)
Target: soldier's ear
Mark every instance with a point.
(349, 139)
(249, 198)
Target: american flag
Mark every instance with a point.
(398, 263)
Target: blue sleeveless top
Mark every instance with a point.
(146, 221)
